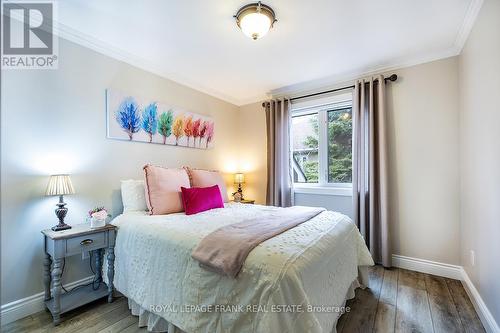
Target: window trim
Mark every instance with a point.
(339, 190)
(322, 186)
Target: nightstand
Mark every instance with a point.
(251, 202)
(66, 243)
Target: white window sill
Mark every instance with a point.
(323, 190)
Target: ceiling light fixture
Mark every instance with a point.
(255, 19)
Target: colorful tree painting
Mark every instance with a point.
(150, 120)
(210, 131)
(165, 124)
(188, 128)
(128, 117)
(139, 119)
(178, 128)
(203, 130)
(196, 130)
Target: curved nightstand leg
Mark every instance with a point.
(56, 290)
(47, 261)
(98, 265)
(111, 272)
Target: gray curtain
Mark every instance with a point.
(370, 177)
(279, 180)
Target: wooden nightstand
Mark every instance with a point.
(251, 202)
(66, 243)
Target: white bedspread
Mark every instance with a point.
(312, 264)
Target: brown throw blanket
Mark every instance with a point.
(224, 251)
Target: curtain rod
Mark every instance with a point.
(392, 78)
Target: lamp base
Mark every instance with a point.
(61, 226)
(61, 212)
(240, 191)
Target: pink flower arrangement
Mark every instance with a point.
(99, 213)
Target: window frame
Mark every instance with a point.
(321, 109)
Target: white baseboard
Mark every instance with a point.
(427, 266)
(489, 323)
(27, 306)
(452, 272)
(32, 304)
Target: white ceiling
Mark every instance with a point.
(197, 43)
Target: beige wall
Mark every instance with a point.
(423, 167)
(479, 75)
(444, 122)
(423, 125)
(54, 121)
(252, 140)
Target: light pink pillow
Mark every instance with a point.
(200, 199)
(206, 178)
(163, 189)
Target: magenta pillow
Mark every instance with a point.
(200, 199)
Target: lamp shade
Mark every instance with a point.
(59, 185)
(239, 178)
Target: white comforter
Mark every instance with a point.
(313, 264)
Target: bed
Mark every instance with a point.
(297, 281)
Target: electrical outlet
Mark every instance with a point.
(85, 255)
(472, 258)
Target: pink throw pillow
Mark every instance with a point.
(163, 189)
(200, 199)
(206, 178)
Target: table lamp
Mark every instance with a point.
(60, 185)
(239, 179)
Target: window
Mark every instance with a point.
(321, 139)
(305, 148)
(339, 135)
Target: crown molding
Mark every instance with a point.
(66, 32)
(347, 78)
(117, 53)
(254, 99)
(467, 24)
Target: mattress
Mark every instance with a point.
(295, 282)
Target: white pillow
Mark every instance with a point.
(133, 195)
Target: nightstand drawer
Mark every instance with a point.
(86, 243)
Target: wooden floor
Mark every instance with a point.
(398, 300)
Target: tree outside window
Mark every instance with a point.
(340, 146)
(306, 146)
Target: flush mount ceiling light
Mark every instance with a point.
(255, 19)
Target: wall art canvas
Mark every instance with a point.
(134, 118)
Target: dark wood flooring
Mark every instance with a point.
(398, 300)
